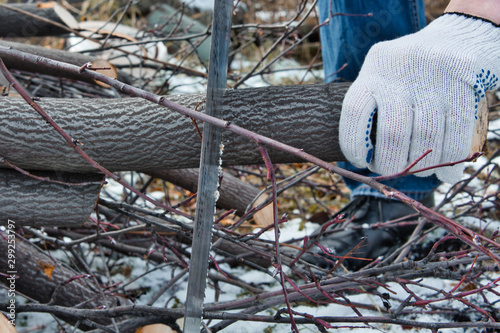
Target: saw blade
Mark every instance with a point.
(209, 167)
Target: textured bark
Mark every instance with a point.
(14, 24)
(29, 201)
(72, 58)
(234, 193)
(133, 134)
(46, 280)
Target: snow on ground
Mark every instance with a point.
(201, 4)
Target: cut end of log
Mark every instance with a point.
(263, 217)
(6, 326)
(110, 70)
(480, 134)
(64, 15)
(156, 328)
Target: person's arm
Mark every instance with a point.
(486, 9)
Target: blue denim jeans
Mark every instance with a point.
(355, 25)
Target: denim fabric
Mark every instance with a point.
(355, 25)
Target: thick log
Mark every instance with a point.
(29, 201)
(134, 134)
(14, 23)
(234, 193)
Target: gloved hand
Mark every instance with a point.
(423, 89)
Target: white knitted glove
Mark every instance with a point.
(424, 89)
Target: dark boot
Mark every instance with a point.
(361, 214)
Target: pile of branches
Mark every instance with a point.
(81, 274)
